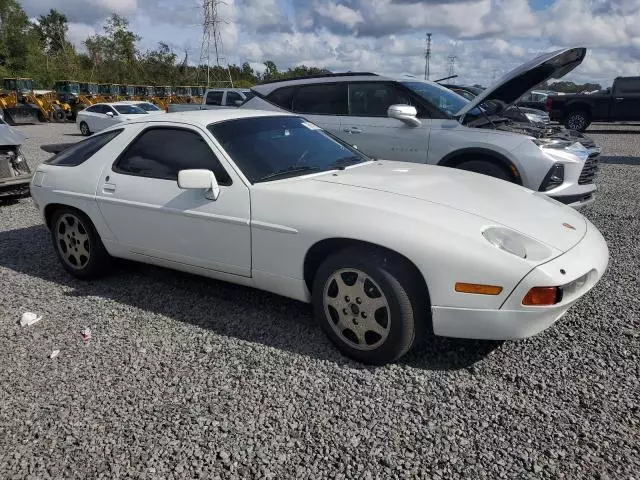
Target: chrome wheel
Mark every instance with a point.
(576, 121)
(84, 129)
(72, 241)
(357, 309)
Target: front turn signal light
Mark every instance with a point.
(540, 296)
(478, 289)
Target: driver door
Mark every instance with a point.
(368, 127)
(151, 216)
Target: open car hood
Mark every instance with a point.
(517, 82)
(11, 136)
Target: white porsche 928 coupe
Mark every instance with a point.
(385, 251)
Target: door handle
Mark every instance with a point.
(109, 188)
(353, 130)
(619, 99)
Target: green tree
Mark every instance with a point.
(271, 72)
(114, 55)
(15, 36)
(52, 30)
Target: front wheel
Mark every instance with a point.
(368, 304)
(77, 244)
(84, 129)
(486, 168)
(577, 121)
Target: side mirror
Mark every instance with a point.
(199, 179)
(237, 103)
(404, 113)
(109, 114)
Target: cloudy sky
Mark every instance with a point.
(488, 37)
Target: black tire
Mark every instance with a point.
(406, 310)
(59, 115)
(84, 129)
(578, 121)
(62, 232)
(41, 117)
(486, 168)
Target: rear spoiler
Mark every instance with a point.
(56, 147)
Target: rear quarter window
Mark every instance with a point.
(84, 150)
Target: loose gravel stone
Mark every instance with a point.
(186, 377)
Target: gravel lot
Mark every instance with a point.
(186, 377)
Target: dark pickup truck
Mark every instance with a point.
(620, 103)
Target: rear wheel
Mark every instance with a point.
(486, 168)
(368, 305)
(577, 121)
(77, 244)
(84, 129)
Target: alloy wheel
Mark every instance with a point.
(576, 121)
(357, 309)
(72, 240)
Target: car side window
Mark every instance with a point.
(82, 151)
(321, 99)
(161, 152)
(628, 85)
(214, 98)
(92, 109)
(283, 97)
(232, 98)
(374, 98)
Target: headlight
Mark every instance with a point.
(517, 244)
(534, 118)
(506, 240)
(554, 178)
(552, 143)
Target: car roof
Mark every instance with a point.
(267, 88)
(206, 117)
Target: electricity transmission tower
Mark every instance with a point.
(452, 65)
(212, 43)
(427, 58)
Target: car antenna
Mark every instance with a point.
(446, 78)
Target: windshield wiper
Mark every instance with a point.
(342, 163)
(287, 171)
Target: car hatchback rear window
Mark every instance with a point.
(82, 151)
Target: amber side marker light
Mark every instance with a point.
(540, 296)
(478, 289)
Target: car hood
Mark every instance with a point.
(10, 136)
(499, 202)
(517, 82)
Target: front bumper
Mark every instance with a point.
(578, 189)
(577, 201)
(583, 266)
(16, 187)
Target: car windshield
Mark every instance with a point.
(128, 109)
(271, 148)
(147, 107)
(441, 97)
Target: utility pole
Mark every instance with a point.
(427, 58)
(494, 74)
(452, 65)
(211, 38)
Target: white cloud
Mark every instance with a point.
(488, 37)
(339, 14)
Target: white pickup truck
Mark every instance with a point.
(215, 98)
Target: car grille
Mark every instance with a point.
(590, 169)
(5, 168)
